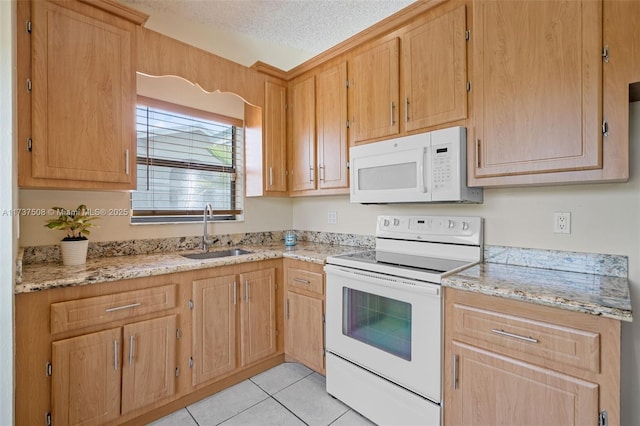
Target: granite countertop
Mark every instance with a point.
(603, 295)
(583, 282)
(43, 276)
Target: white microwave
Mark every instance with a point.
(425, 167)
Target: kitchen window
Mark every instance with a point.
(185, 159)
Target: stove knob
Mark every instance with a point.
(465, 226)
(451, 224)
(396, 222)
(385, 222)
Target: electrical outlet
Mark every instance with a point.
(562, 222)
(332, 218)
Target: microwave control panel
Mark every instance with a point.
(443, 167)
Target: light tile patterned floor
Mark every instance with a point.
(289, 394)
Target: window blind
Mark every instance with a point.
(185, 159)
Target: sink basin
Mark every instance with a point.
(216, 254)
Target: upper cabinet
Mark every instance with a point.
(431, 91)
(373, 92)
(302, 138)
(331, 112)
(434, 69)
(537, 87)
(81, 130)
(275, 138)
(318, 147)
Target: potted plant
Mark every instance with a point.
(76, 224)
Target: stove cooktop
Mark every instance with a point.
(424, 248)
(400, 265)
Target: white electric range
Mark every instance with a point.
(384, 316)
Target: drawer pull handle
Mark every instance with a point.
(515, 336)
(302, 281)
(119, 308)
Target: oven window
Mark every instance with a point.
(377, 321)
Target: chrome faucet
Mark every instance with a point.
(206, 239)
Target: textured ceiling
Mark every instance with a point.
(309, 25)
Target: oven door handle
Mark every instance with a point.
(406, 284)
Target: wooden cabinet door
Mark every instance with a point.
(434, 59)
(258, 315)
(83, 98)
(496, 390)
(331, 121)
(275, 137)
(86, 380)
(214, 327)
(302, 140)
(373, 92)
(537, 87)
(149, 367)
(305, 330)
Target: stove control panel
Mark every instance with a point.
(431, 228)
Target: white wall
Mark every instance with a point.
(8, 246)
(605, 218)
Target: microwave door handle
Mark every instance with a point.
(422, 188)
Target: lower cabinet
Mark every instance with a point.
(99, 376)
(509, 362)
(214, 328)
(304, 313)
(232, 314)
(495, 389)
(88, 378)
(129, 351)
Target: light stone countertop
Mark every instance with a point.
(43, 276)
(597, 284)
(607, 296)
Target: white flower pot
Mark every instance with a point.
(74, 252)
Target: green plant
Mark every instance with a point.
(75, 223)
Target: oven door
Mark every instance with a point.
(387, 325)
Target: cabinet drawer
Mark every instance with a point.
(527, 339)
(305, 280)
(80, 313)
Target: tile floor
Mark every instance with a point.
(289, 394)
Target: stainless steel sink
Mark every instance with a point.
(216, 254)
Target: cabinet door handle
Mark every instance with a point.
(406, 110)
(392, 109)
(455, 372)
(270, 176)
(130, 349)
(119, 308)
(115, 355)
(478, 152)
(321, 169)
(310, 174)
(286, 310)
(246, 291)
(126, 161)
(235, 294)
(515, 336)
(302, 281)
